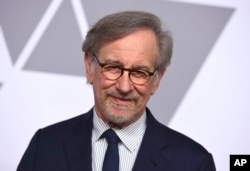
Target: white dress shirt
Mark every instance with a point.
(131, 138)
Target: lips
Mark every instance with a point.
(122, 101)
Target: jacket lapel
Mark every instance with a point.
(149, 156)
(78, 145)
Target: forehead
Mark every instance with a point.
(139, 47)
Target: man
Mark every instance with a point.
(126, 55)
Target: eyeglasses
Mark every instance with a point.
(114, 72)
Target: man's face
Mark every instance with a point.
(120, 102)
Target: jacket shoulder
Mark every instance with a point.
(174, 139)
(66, 127)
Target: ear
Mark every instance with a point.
(156, 82)
(88, 63)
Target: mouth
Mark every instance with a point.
(123, 101)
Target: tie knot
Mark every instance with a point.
(111, 136)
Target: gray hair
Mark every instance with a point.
(118, 25)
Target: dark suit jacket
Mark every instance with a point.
(66, 146)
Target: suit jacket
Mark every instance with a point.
(66, 146)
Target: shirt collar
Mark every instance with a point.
(130, 136)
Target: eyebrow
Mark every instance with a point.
(135, 67)
(110, 61)
(118, 62)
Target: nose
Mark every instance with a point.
(124, 85)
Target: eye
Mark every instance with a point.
(112, 68)
(139, 74)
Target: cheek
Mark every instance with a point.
(144, 92)
(100, 84)
(148, 90)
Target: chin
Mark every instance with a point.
(119, 117)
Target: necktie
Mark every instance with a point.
(111, 160)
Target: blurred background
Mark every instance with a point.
(205, 92)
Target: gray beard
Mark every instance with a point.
(119, 120)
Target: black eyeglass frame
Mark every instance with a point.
(102, 65)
